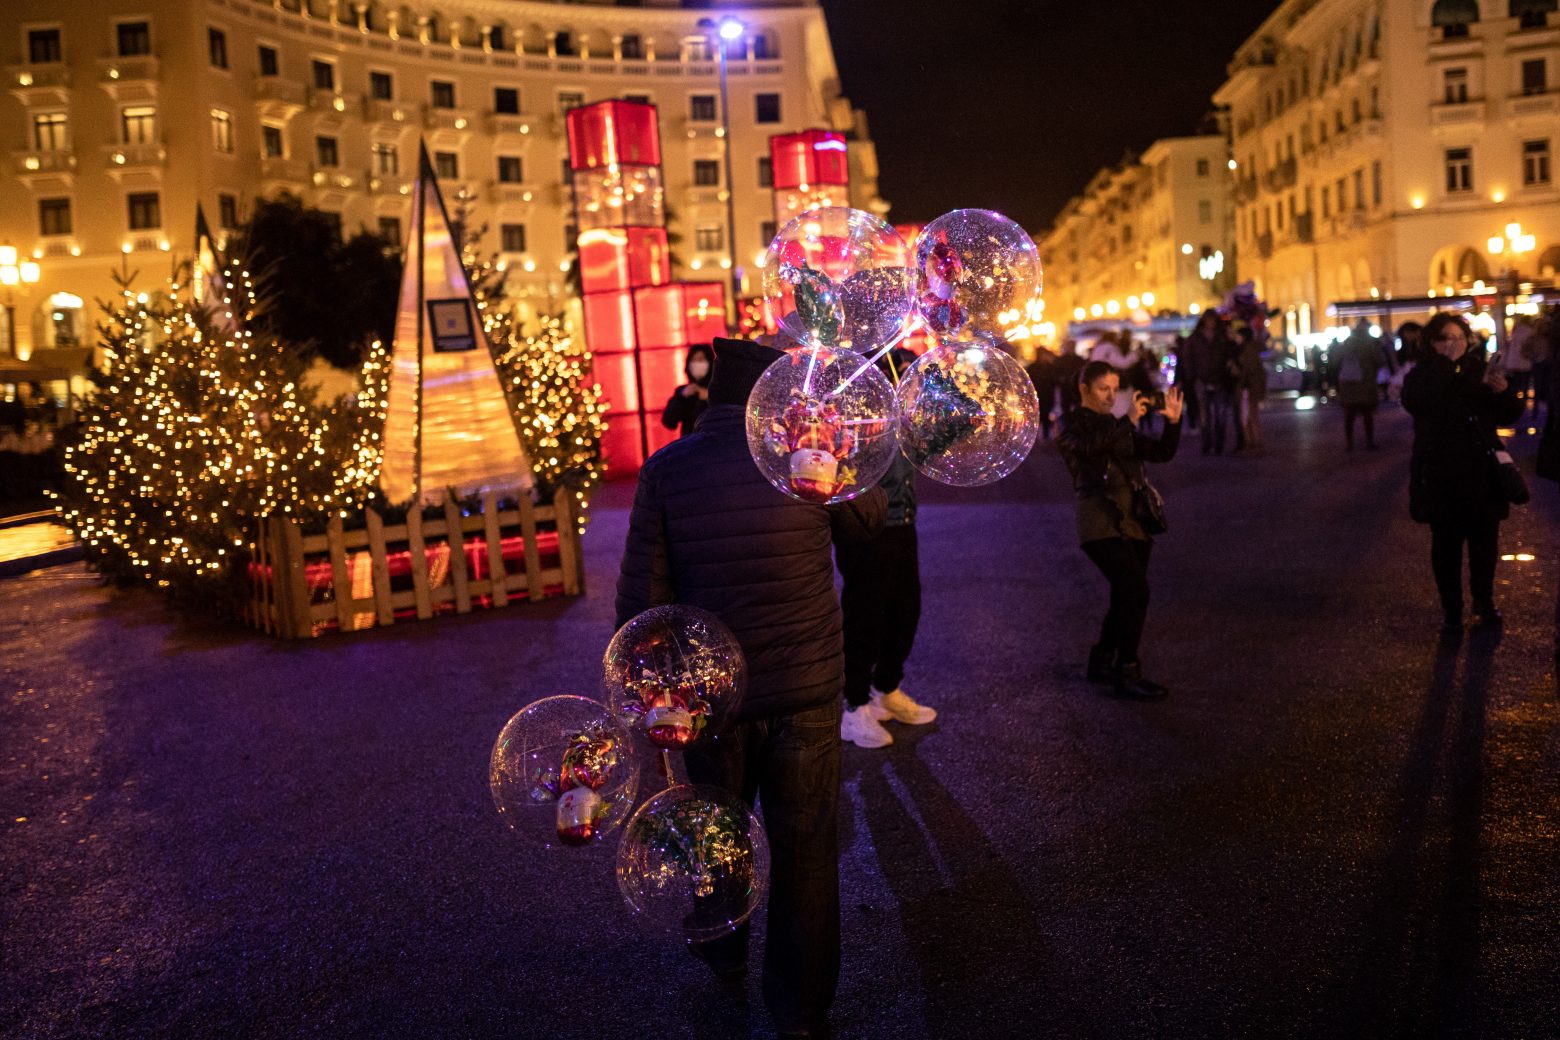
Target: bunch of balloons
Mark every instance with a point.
(565, 773)
(824, 424)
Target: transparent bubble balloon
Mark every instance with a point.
(839, 277)
(675, 674)
(968, 413)
(971, 265)
(563, 772)
(694, 862)
(820, 424)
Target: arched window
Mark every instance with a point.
(1453, 17)
(1531, 14)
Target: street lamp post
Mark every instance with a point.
(12, 274)
(728, 30)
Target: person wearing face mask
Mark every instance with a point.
(1457, 401)
(1105, 454)
(688, 403)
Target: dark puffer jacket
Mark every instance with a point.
(708, 530)
(1451, 479)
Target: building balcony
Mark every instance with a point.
(379, 110)
(510, 123)
(704, 196)
(333, 103)
(29, 163)
(276, 168)
(135, 156)
(1246, 188)
(129, 79)
(38, 85)
(387, 183)
(1281, 177)
(277, 98)
(1530, 106)
(1533, 39)
(1457, 114)
(500, 192)
(448, 118)
(336, 178)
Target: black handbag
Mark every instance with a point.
(1507, 477)
(1148, 508)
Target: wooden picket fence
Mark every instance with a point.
(303, 585)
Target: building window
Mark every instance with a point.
(766, 233)
(1535, 162)
(134, 38)
(765, 48)
(766, 108)
(49, 132)
(1359, 189)
(1205, 212)
(222, 130)
(271, 146)
(569, 99)
(510, 169)
(443, 94)
(54, 217)
(697, 48)
(506, 101)
(706, 173)
(269, 63)
(512, 238)
(325, 151)
(227, 211)
(563, 44)
(324, 75)
(1375, 184)
(1531, 14)
(387, 158)
(638, 99)
(1202, 167)
(571, 237)
(633, 48)
(381, 86)
(1326, 203)
(701, 108)
(390, 230)
(1456, 84)
(1535, 76)
(766, 172)
(708, 239)
(1459, 170)
(446, 165)
(216, 46)
(145, 211)
(139, 123)
(43, 46)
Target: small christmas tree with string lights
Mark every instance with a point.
(198, 429)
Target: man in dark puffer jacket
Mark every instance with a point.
(708, 530)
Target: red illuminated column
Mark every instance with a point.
(811, 169)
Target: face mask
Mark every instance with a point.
(699, 369)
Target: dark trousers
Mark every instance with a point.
(1362, 411)
(791, 764)
(1215, 405)
(1446, 555)
(881, 603)
(1124, 562)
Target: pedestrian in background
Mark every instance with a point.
(707, 529)
(1253, 388)
(1105, 454)
(1042, 372)
(1356, 363)
(1068, 365)
(880, 599)
(690, 400)
(1186, 378)
(1457, 402)
(1209, 346)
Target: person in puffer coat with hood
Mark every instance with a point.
(709, 531)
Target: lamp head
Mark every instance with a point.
(731, 29)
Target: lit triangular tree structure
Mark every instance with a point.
(448, 424)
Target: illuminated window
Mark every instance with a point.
(387, 158)
(139, 123)
(49, 132)
(222, 130)
(709, 239)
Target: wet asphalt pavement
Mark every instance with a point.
(1331, 829)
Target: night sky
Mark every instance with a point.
(1014, 104)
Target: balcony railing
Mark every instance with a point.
(1457, 113)
(133, 156)
(510, 122)
(380, 110)
(277, 168)
(52, 74)
(333, 101)
(509, 191)
(448, 118)
(279, 94)
(34, 162)
(387, 183)
(126, 70)
(1524, 105)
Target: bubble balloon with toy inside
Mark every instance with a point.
(676, 674)
(971, 266)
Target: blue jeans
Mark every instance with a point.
(1216, 407)
(791, 763)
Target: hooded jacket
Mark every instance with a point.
(708, 530)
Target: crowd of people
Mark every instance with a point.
(707, 529)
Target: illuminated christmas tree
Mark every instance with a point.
(197, 430)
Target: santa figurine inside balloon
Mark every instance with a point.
(676, 674)
(821, 423)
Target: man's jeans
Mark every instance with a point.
(792, 764)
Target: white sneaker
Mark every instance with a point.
(899, 706)
(863, 730)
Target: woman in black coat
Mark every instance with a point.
(693, 397)
(1457, 402)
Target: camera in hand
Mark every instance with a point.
(1156, 401)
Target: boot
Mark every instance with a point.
(1131, 684)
